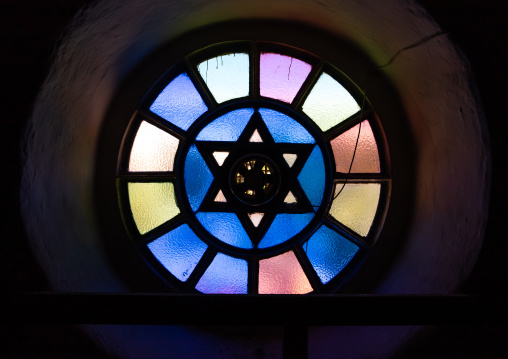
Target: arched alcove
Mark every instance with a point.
(442, 112)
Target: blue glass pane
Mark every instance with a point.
(179, 251)
(225, 227)
(228, 127)
(197, 176)
(226, 275)
(329, 253)
(179, 103)
(285, 226)
(312, 177)
(284, 129)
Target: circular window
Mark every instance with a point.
(254, 167)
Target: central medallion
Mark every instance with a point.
(254, 180)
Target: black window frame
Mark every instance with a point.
(138, 84)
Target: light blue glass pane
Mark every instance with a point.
(312, 177)
(197, 176)
(179, 251)
(225, 227)
(226, 275)
(329, 253)
(284, 129)
(179, 103)
(226, 76)
(285, 226)
(228, 127)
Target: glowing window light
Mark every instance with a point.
(284, 227)
(282, 274)
(366, 156)
(179, 103)
(226, 275)
(152, 204)
(356, 205)
(225, 227)
(198, 178)
(227, 127)
(213, 219)
(281, 76)
(312, 177)
(179, 251)
(329, 253)
(284, 129)
(153, 150)
(329, 103)
(226, 76)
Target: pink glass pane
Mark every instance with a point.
(282, 275)
(281, 76)
(366, 158)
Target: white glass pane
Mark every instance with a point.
(227, 76)
(328, 103)
(256, 137)
(290, 158)
(220, 156)
(153, 150)
(256, 218)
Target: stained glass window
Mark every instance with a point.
(254, 171)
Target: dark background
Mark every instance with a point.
(31, 31)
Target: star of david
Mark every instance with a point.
(255, 177)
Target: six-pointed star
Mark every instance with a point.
(227, 159)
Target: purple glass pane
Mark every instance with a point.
(226, 275)
(281, 77)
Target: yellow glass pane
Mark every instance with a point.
(152, 204)
(356, 206)
(282, 274)
(329, 103)
(153, 150)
